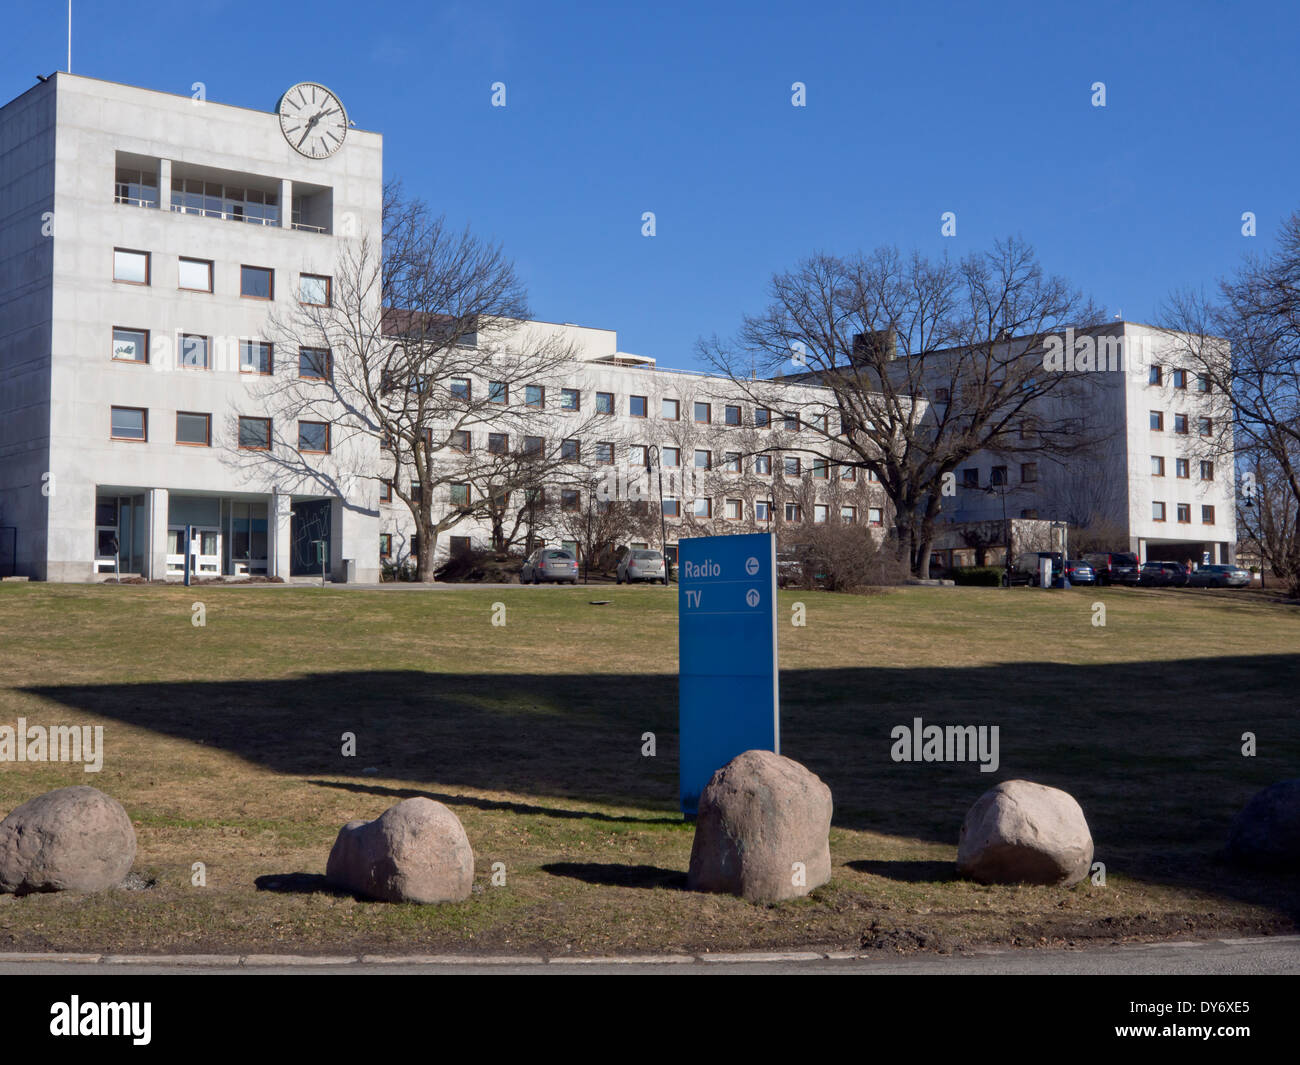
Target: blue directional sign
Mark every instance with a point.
(728, 700)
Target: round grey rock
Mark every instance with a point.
(763, 830)
(73, 839)
(416, 851)
(1025, 833)
(1266, 834)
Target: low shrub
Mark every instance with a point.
(977, 576)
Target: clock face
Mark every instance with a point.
(313, 120)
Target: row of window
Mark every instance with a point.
(970, 477)
(1178, 378)
(1184, 513)
(194, 429)
(1182, 468)
(199, 353)
(133, 267)
(570, 399)
(1204, 426)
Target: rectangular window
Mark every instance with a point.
(970, 478)
(735, 510)
(1207, 515)
(254, 357)
(731, 415)
(255, 434)
(763, 464)
(1203, 382)
(193, 429)
(534, 446)
(703, 508)
(671, 508)
(791, 465)
(1157, 420)
(848, 473)
(459, 495)
(314, 437)
(459, 545)
(672, 410)
(849, 515)
(604, 402)
(1207, 470)
(460, 441)
(605, 454)
(1180, 423)
(762, 418)
(195, 275)
(570, 450)
(793, 512)
(570, 399)
(385, 490)
(820, 468)
(385, 545)
(703, 459)
(1180, 378)
(703, 413)
(732, 464)
(315, 290)
(672, 456)
(1155, 375)
(791, 421)
(637, 456)
(569, 499)
(820, 513)
(130, 267)
(535, 396)
(498, 392)
(875, 516)
(130, 423)
(1184, 513)
(941, 395)
(636, 406)
(256, 282)
(1157, 511)
(1031, 513)
(194, 352)
(314, 364)
(762, 510)
(1157, 466)
(130, 345)
(998, 475)
(1205, 426)
(139, 188)
(460, 389)
(1182, 467)
(1028, 472)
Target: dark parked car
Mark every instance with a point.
(1215, 576)
(1114, 567)
(1163, 575)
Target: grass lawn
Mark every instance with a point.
(224, 744)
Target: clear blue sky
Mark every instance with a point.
(614, 109)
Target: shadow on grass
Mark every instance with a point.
(909, 872)
(1150, 749)
(611, 875)
(301, 884)
(398, 794)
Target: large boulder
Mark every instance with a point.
(1266, 834)
(415, 851)
(1025, 833)
(759, 815)
(72, 839)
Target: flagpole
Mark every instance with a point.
(69, 36)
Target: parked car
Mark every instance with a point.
(1163, 575)
(639, 564)
(549, 564)
(1215, 576)
(1115, 567)
(1079, 572)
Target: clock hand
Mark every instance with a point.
(307, 131)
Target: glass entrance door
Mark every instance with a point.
(208, 563)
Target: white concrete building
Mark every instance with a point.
(145, 239)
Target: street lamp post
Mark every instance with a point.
(652, 455)
(1006, 528)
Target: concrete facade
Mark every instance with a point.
(70, 481)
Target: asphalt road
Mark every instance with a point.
(1268, 955)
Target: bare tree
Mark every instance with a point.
(426, 346)
(1245, 346)
(927, 363)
